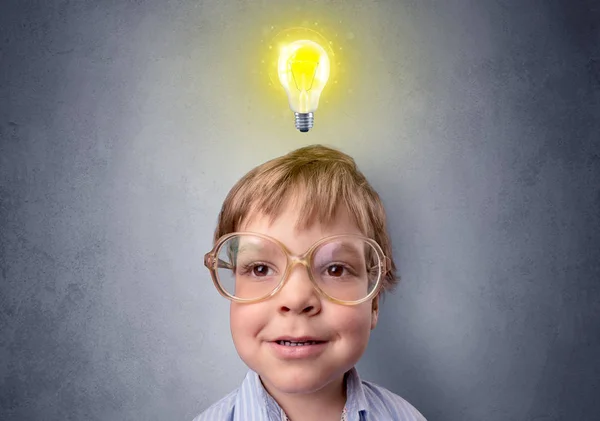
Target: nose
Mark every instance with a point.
(298, 295)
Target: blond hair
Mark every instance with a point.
(323, 179)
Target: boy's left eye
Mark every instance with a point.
(335, 270)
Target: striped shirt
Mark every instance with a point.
(365, 402)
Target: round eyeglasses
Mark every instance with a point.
(250, 267)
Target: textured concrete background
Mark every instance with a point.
(123, 124)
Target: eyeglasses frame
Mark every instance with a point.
(211, 262)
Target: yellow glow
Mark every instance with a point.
(303, 69)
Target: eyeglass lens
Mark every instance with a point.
(345, 268)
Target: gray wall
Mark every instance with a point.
(124, 124)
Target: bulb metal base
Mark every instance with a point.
(304, 121)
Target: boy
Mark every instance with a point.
(302, 252)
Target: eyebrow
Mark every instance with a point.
(248, 247)
(346, 248)
(336, 248)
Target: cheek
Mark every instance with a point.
(246, 321)
(354, 322)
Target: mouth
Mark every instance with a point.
(299, 349)
(303, 341)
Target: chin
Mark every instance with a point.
(300, 379)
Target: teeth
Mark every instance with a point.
(288, 343)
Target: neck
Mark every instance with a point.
(321, 405)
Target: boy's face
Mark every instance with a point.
(296, 311)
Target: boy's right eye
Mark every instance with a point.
(258, 270)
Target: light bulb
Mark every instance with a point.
(303, 70)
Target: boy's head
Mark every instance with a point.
(298, 199)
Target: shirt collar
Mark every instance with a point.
(252, 398)
(356, 401)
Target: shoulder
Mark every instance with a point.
(221, 410)
(384, 404)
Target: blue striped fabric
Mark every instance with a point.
(365, 402)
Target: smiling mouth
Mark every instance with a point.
(292, 343)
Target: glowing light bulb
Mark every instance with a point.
(303, 70)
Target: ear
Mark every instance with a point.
(374, 312)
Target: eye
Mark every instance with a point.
(255, 270)
(335, 270)
(259, 270)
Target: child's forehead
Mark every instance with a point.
(293, 217)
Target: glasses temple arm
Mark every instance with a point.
(224, 265)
